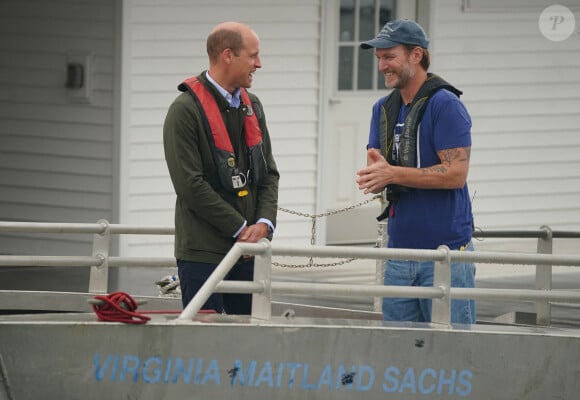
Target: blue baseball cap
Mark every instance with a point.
(394, 33)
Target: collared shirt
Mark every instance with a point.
(234, 101)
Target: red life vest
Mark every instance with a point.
(252, 131)
(231, 177)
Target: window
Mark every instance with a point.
(360, 20)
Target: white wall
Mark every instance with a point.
(56, 155)
(164, 43)
(523, 93)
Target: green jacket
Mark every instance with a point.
(206, 214)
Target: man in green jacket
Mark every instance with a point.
(219, 156)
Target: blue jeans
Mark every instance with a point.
(192, 276)
(420, 273)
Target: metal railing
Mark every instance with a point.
(263, 288)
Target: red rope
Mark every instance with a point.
(177, 312)
(111, 310)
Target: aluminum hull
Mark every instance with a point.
(72, 356)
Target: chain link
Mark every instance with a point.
(331, 212)
(312, 264)
(314, 217)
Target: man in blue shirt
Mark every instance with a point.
(419, 149)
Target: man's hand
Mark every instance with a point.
(253, 233)
(376, 175)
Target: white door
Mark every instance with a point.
(352, 84)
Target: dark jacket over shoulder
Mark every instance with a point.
(206, 214)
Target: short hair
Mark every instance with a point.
(425, 60)
(222, 39)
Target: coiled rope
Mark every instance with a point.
(119, 307)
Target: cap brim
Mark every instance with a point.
(378, 43)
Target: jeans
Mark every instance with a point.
(192, 276)
(420, 273)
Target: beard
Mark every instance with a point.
(404, 76)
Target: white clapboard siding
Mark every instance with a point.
(165, 44)
(56, 155)
(523, 93)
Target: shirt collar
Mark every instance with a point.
(232, 99)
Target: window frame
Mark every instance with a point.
(354, 44)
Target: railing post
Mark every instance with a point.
(262, 302)
(208, 288)
(441, 308)
(380, 264)
(99, 278)
(544, 278)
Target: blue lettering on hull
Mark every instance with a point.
(130, 368)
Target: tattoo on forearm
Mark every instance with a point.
(447, 158)
(441, 169)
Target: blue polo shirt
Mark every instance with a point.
(428, 218)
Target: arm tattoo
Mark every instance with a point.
(441, 169)
(447, 157)
(450, 155)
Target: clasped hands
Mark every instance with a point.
(376, 175)
(253, 233)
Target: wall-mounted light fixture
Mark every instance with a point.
(79, 71)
